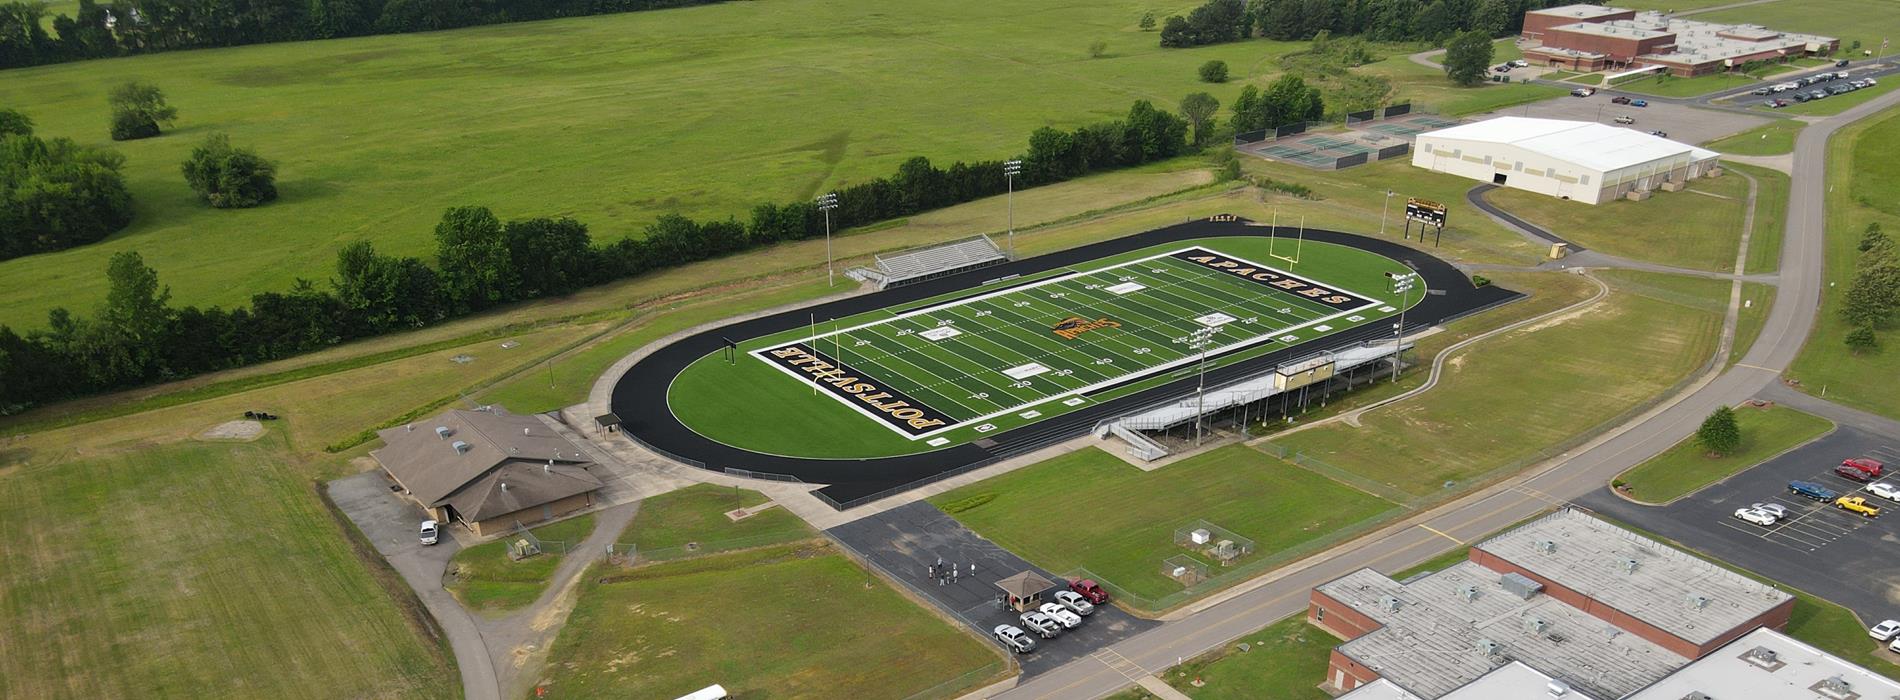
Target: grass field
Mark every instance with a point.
(191, 570)
(1501, 404)
(1587, 79)
(486, 579)
(966, 365)
(1757, 299)
(1771, 212)
(1428, 88)
(697, 514)
(1285, 661)
(648, 122)
(792, 621)
(1771, 139)
(1863, 180)
(1671, 86)
(1687, 467)
(1865, 21)
(1128, 516)
(1705, 222)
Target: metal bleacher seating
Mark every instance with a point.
(931, 262)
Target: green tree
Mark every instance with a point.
(1289, 100)
(1862, 340)
(56, 194)
(1720, 434)
(1492, 18)
(1148, 21)
(1214, 72)
(1874, 295)
(473, 256)
(1467, 58)
(1199, 109)
(13, 122)
(1098, 48)
(1873, 238)
(229, 177)
(123, 341)
(137, 110)
(1247, 116)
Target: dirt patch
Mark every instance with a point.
(237, 430)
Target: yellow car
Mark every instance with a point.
(1856, 504)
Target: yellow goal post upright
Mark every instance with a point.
(1298, 243)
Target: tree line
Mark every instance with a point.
(137, 337)
(127, 27)
(1872, 302)
(1433, 21)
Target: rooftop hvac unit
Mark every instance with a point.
(460, 447)
(1534, 625)
(1557, 688)
(1547, 546)
(442, 432)
(1519, 585)
(1488, 647)
(1629, 565)
(1470, 593)
(1389, 603)
(1201, 536)
(1698, 601)
(1836, 685)
(524, 431)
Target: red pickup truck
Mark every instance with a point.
(1088, 589)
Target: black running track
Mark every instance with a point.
(639, 397)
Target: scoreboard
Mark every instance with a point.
(1425, 211)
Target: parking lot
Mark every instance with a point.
(913, 541)
(1682, 122)
(1841, 556)
(1747, 98)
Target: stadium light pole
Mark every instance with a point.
(1401, 283)
(1388, 207)
(1201, 339)
(1011, 169)
(826, 203)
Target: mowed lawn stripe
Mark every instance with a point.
(1001, 357)
(1035, 327)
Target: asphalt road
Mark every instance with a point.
(1567, 477)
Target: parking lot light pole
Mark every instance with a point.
(826, 203)
(1010, 170)
(1401, 283)
(1387, 207)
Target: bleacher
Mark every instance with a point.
(930, 262)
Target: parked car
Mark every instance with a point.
(1521, 63)
(1619, 100)
(1841, 63)
(1013, 637)
(1871, 82)
(1755, 516)
(1582, 92)
(1774, 509)
(1852, 474)
(1873, 467)
(1639, 103)
(1043, 625)
(1659, 134)
(1811, 490)
(1817, 94)
(1801, 97)
(1625, 119)
(1763, 90)
(1840, 90)
(1857, 504)
(430, 531)
(1884, 631)
(1884, 489)
(1778, 104)
(1090, 590)
(1074, 601)
(1506, 68)
(1061, 614)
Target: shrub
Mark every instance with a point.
(229, 177)
(1480, 281)
(1214, 72)
(1098, 49)
(137, 110)
(57, 194)
(963, 504)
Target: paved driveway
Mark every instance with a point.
(1845, 558)
(909, 540)
(1682, 122)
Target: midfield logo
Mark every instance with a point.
(1073, 326)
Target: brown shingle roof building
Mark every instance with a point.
(488, 470)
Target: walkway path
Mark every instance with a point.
(517, 643)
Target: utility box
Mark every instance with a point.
(1559, 250)
(1201, 536)
(1519, 585)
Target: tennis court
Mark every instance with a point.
(927, 370)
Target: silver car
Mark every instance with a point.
(1774, 509)
(1074, 601)
(1043, 625)
(1061, 614)
(1013, 637)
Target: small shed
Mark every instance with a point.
(1023, 590)
(607, 422)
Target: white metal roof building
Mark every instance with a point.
(1584, 161)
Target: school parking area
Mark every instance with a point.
(1844, 557)
(1680, 121)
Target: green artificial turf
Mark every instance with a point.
(1687, 467)
(1128, 516)
(697, 514)
(790, 621)
(749, 403)
(485, 578)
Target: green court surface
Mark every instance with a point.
(949, 370)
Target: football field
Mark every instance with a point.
(1023, 350)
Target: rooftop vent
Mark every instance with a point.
(1389, 603)
(1629, 565)
(442, 432)
(1488, 647)
(1834, 687)
(1764, 658)
(1519, 585)
(1547, 546)
(1697, 695)
(504, 486)
(1698, 601)
(1534, 625)
(460, 447)
(1557, 688)
(1470, 593)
